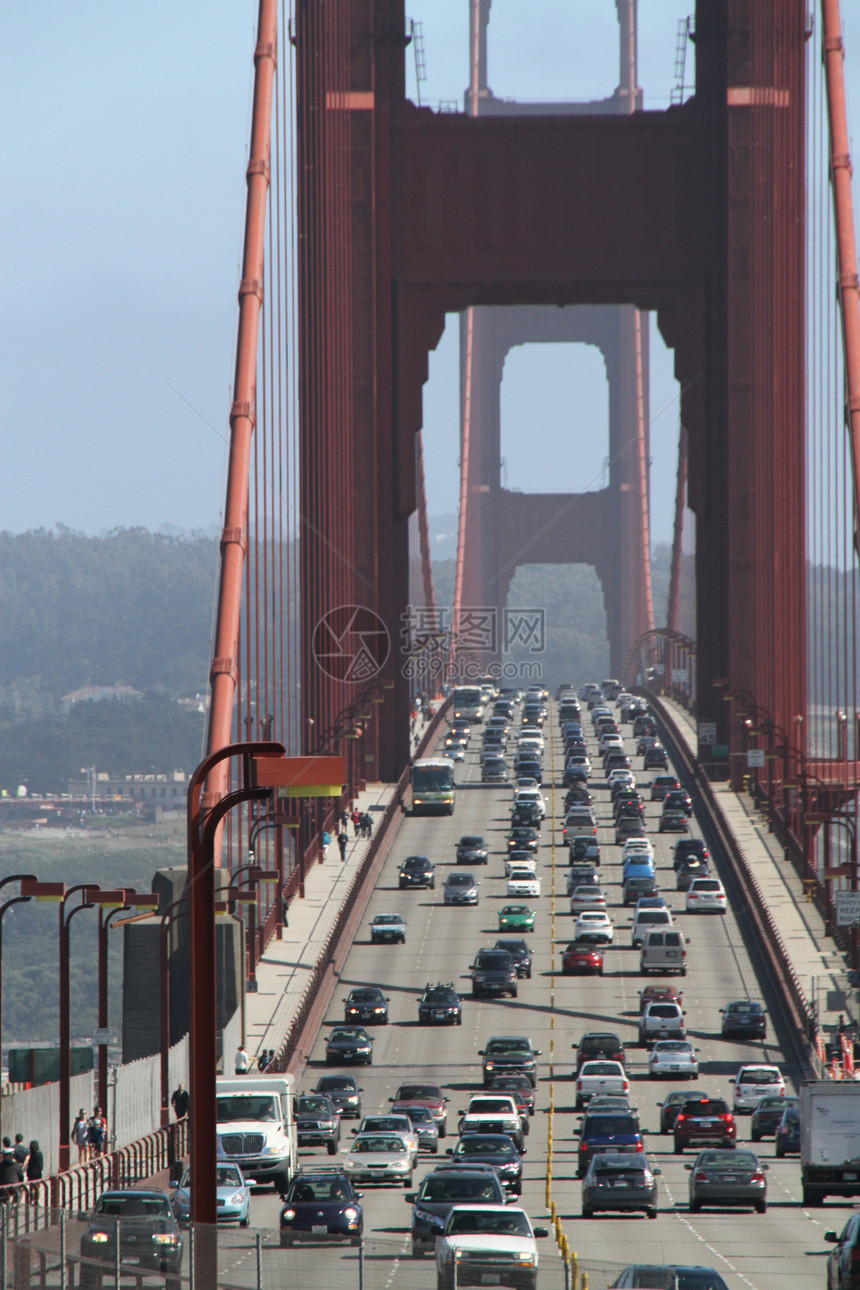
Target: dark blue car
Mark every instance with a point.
(788, 1132)
(614, 1131)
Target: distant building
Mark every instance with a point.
(99, 694)
(166, 791)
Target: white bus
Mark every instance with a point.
(467, 703)
(432, 786)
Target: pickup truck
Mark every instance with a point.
(493, 1114)
(488, 1245)
(661, 1021)
(599, 1077)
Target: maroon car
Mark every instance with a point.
(704, 1122)
(429, 1095)
(579, 958)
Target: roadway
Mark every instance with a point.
(766, 1252)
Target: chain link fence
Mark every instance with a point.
(50, 1256)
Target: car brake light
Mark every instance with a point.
(758, 1176)
(680, 1118)
(855, 1254)
(700, 1176)
(729, 1119)
(583, 1146)
(579, 1085)
(626, 1085)
(639, 1146)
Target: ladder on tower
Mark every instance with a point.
(681, 60)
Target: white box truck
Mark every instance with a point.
(256, 1127)
(829, 1139)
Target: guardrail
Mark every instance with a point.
(27, 1206)
(783, 978)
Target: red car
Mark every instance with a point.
(579, 958)
(429, 1095)
(704, 1122)
(660, 994)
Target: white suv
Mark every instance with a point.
(752, 1083)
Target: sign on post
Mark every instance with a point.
(707, 732)
(847, 907)
(755, 757)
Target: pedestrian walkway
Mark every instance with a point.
(284, 972)
(820, 966)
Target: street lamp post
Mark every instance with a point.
(256, 875)
(65, 1014)
(16, 900)
(105, 901)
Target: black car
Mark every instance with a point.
(686, 849)
(496, 1149)
(530, 769)
(670, 1108)
(678, 799)
(493, 972)
(366, 1003)
(317, 1122)
(844, 1260)
(349, 1044)
(417, 871)
(598, 1045)
(636, 887)
(440, 1191)
(519, 952)
(767, 1116)
(688, 870)
(523, 838)
(744, 1019)
(655, 757)
(344, 1093)
(585, 851)
(668, 1276)
(321, 1205)
(439, 1005)
(509, 1053)
(787, 1137)
(581, 873)
(526, 815)
(149, 1235)
(471, 849)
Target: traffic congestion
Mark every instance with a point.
(562, 1006)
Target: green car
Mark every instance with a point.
(516, 918)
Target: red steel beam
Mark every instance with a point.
(843, 207)
(224, 672)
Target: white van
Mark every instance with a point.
(663, 951)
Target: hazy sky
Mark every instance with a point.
(122, 169)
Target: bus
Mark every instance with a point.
(432, 786)
(467, 703)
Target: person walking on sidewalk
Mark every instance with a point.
(356, 821)
(242, 1061)
(98, 1133)
(179, 1102)
(81, 1136)
(342, 839)
(35, 1162)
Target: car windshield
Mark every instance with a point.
(743, 1008)
(663, 1010)
(488, 1106)
(472, 842)
(499, 1221)
(313, 1106)
(460, 880)
(755, 1076)
(131, 1206)
(318, 1189)
(672, 1046)
(388, 919)
(458, 1189)
(476, 1144)
(337, 1084)
(366, 996)
(440, 994)
(610, 1125)
(412, 1092)
(706, 1107)
(349, 1032)
(728, 1159)
(416, 862)
(493, 960)
(370, 1146)
(509, 1046)
(601, 1068)
(247, 1106)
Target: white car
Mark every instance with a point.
(380, 1157)
(519, 861)
(496, 1113)
(754, 1082)
(585, 896)
(534, 797)
(673, 1057)
(621, 777)
(638, 845)
(523, 882)
(706, 895)
(531, 739)
(488, 1244)
(600, 1076)
(592, 925)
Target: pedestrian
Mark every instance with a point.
(97, 1133)
(19, 1151)
(179, 1102)
(368, 824)
(262, 1061)
(35, 1162)
(242, 1061)
(342, 839)
(81, 1136)
(10, 1171)
(344, 819)
(356, 821)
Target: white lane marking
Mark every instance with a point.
(712, 1249)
